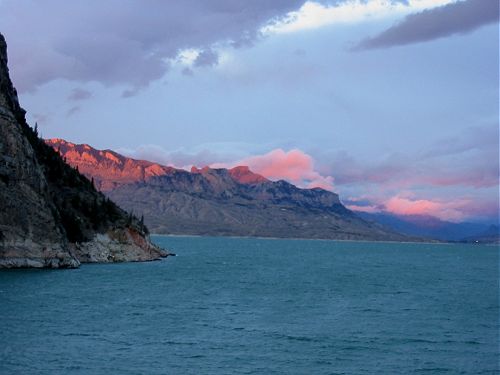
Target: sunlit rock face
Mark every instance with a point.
(110, 169)
(51, 215)
(106, 167)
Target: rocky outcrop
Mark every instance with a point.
(119, 245)
(240, 174)
(51, 215)
(107, 168)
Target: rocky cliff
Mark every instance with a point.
(108, 168)
(232, 202)
(214, 203)
(51, 215)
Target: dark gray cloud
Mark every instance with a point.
(128, 93)
(116, 42)
(207, 57)
(73, 110)
(79, 94)
(456, 18)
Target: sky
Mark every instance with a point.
(391, 104)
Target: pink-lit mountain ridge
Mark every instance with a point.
(208, 201)
(110, 169)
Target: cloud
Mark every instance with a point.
(469, 158)
(476, 173)
(460, 17)
(294, 166)
(73, 110)
(42, 118)
(450, 210)
(133, 45)
(128, 93)
(128, 45)
(179, 159)
(315, 14)
(455, 178)
(362, 204)
(470, 139)
(406, 203)
(207, 57)
(79, 94)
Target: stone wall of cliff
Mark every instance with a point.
(51, 215)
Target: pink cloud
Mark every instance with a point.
(451, 210)
(405, 203)
(455, 210)
(294, 166)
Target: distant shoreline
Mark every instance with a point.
(319, 239)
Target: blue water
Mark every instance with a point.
(254, 306)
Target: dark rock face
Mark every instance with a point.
(51, 215)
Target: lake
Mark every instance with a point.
(259, 306)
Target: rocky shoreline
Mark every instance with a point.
(113, 247)
(51, 216)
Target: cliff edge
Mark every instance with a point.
(50, 214)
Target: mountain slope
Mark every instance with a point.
(426, 226)
(232, 202)
(51, 215)
(490, 235)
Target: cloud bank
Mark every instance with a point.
(316, 14)
(405, 203)
(469, 159)
(132, 45)
(457, 18)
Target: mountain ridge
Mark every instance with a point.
(428, 226)
(110, 169)
(219, 201)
